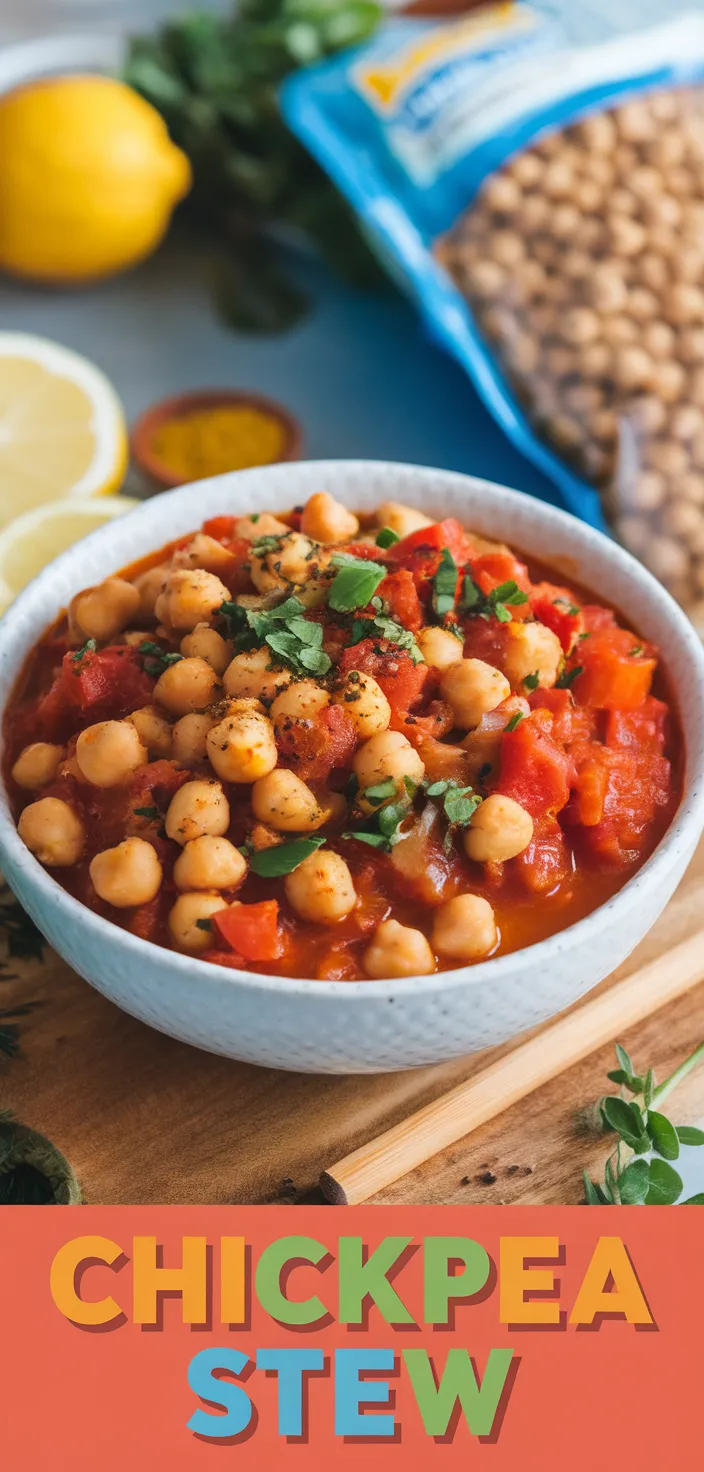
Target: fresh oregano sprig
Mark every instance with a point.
(638, 1172)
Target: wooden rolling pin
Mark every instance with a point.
(602, 1020)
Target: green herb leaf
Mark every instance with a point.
(624, 1060)
(665, 1184)
(380, 791)
(636, 650)
(204, 924)
(697, 1200)
(471, 597)
(273, 863)
(619, 1076)
(568, 606)
(514, 721)
(648, 1088)
(89, 647)
(567, 678)
(152, 813)
(633, 1183)
(155, 659)
(594, 1194)
(445, 585)
(663, 1135)
(355, 584)
(375, 840)
(532, 682)
(387, 537)
(687, 1134)
(625, 1118)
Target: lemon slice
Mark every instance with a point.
(32, 541)
(62, 430)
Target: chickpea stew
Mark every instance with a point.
(341, 747)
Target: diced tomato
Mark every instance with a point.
(316, 748)
(491, 569)
(399, 590)
(365, 551)
(597, 619)
(556, 608)
(424, 870)
(222, 528)
(486, 639)
(535, 770)
(106, 684)
(155, 784)
(644, 729)
(545, 863)
(448, 533)
(251, 930)
(483, 744)
(224, 958)
(402, 681)
(240, 549)
(637, 785)
(571, 723)
(586, 805)
(338, 963)
(616, 674)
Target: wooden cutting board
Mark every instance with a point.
(145, 1119)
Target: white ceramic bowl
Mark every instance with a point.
(366, 1026)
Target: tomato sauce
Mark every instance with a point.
(595, 755)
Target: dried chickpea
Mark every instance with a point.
(685, 521)
(363, 700)
(607, 288)
(188, 685)
(209, 862)
(37, 765)
(109, 752)
(198, 807)
(686, 422)
(628, 236)
(464, 928)
(647, 492)
(321, 890)
(104, 611)
(667, 456)
(53, 832)
(690, 343)
(397, 950)
(658, 339)
(668, 380)
(507, 248)
(633, 369)
(502, 194)
(667, 559)
(690, 487)
(327, 520)
(127, 875)
(487, 279)
(189, 921)
(205, 643)
(598, 134)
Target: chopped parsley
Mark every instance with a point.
(445, 585)
(380, 791)
(569, 607)
(155, 659)
(355, 583)
(296, 640)
(264, 545)
(458, 806)
(532, 682)
(496, 604)
(383, 626)
(89, 647)
(387, 537)
(514, 721)
(636, 650)
(273, 863)
(567, 678)
(204, 924)
(384, 827)
(152, 813)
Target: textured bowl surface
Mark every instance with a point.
(346, 1027)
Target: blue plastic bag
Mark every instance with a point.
(410, 125)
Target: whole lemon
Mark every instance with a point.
(88, 179)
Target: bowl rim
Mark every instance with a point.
(677, 841)
(177, 406)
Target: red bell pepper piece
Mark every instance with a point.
(251, 930)
(222, 528)
(617, 670)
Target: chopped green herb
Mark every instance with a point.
(89, 647)
(567, 678)
(568, 606)
(355, 584)
(514, 721)
(636, 650)
(155, 659)
(264, 545)
(273, 863)
(375, 840)
(471, 595)
(459, 805)
(296, 640)
(532, 682)
(152, 813)
(204, 924)
(586, 634)
(445, 585)
(495, 604)
(380, 791)
(387, 537)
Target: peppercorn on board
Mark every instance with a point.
(339, 749)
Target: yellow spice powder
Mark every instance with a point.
(211, 441)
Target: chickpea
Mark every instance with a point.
(254, 674)
(109, 752)
(648, 414)
(565, 432)
(397, 950)
(241, 748)
(635, 534)
(300, 701)
(53, 832)
(486, 279)
(635, 122)
(535, 212)
(659, 339)
(607, 288)
(388, 755)
(188, 738)
(646, 182)
(642, 304)
(633, 368)
(321, 889)
(104, 611)
(327, 520)
(506, 248)
(472, 687)
(134, 638)
(618, 331)
(209, 862)
(205, 643)
(251, 528)
(690, 343)
(500, 829)
(687, 422)
(532, 649)
(653, 270)
(293, 560)
(690, 487)
(190, 596)
(37, 765)
(197, 808)
(690, 264)
(283, 802)
(667, 560)
(646, 492)
(685, 521)
(364, 701)
(129, 874)
(189, 685)
(683, 304)
(403, 520)
(502, 194)
(668, 380)
(149, 585)
(205, 552)
(598, 134)
(526, 170)
(628, 237)
(580, 325)
(153, 731)
(438, 648)
(577, 265)
(464, 928)
(596, 360)
(187, 921)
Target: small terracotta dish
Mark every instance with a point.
(181, 406)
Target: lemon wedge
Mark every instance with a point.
(32, 541)
(62, 430)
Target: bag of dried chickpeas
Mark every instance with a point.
(543, 201)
